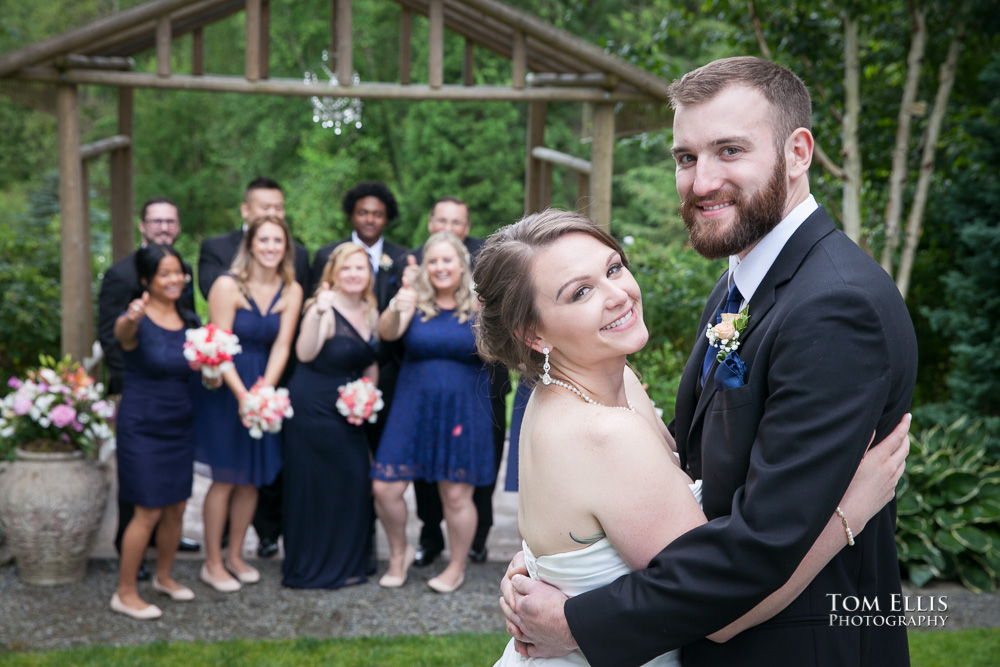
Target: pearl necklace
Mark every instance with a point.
(566, 385)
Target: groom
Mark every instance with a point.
(830, 356)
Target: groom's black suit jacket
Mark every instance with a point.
(831, 357)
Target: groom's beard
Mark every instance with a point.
(756, 215)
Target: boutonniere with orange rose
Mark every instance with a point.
(726, 334)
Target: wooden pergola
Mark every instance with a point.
(547, 65)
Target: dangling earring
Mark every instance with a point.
(546, 378)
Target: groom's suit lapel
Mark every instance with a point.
(816, 226)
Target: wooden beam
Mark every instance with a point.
(197, 52)
(345, 43)
(265, 39)
(73, 40)
(517, 63)
(582, 191)
(252, 61)
(77, 305)
(122, 197)
(537, 29)
(561, 159)
(532, 166)
(469, 64)
(102, 146)
(602, 159)
(435, 75)
(544, 185)
(76, 60)
(163, 38)
(141, 37)
(405, 46)
(297, 88)
(596, 79)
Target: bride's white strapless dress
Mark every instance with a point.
(575, 572)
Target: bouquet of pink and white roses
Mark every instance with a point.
(210, 349)
(56, 403)
(264, 408)
(359, 401)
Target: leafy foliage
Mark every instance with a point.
(949, 507)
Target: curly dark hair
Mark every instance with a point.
(507, 291)
(376, 189)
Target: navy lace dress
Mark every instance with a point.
(440, 425)
(155, 440)
(326, 501)
(222, 442)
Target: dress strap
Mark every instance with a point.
(276, 297)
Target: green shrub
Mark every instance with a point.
(949, 507)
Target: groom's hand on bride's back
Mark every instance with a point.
(534, 614)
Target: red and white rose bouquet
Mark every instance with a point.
(360, 401)
(264, 408)
(210, 349)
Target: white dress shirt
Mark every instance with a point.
(374, 251)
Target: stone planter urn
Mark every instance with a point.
(51, 506)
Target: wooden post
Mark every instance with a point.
(469, 64)
(602, 161)
(77, 314)
(345, 45)
(163, 38)
(197, 52)
(252, 62)
(544, 184)
(536, 137)
(582, 191)
(122, 197)
(265, 39)
(518, 69)
(435, 15)
(405, 49)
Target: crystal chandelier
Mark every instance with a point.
(334, 112)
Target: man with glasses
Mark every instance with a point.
(159, 223)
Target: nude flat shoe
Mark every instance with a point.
(393, 581)
(251, 577)
(439, 586)
(149, 613)
(182, 594)
(225, 586)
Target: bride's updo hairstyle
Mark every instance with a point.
(506, 289)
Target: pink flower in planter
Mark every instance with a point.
(21, 406)
(14, 383)
(62, 415)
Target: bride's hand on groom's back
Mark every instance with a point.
(534, 613)
(874, 483)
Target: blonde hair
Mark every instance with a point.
(465, 297)
(331, 272)
(506, 286)
(244, 259)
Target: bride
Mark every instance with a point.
(601, 491)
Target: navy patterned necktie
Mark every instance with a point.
(732, 305)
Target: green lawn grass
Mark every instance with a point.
(969, 648)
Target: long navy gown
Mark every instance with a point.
(155, 442)
(326, 501)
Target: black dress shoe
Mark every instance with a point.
(143, 574)
(187, 544)
(426, 556)
(478, 555)
(267, 547)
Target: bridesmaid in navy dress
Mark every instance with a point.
(440, 427)
(259, 301)
(155, 426)
(327, 494)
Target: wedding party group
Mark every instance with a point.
(716, 539)
(311, 398)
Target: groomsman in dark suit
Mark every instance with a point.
(159, 222)
(829, 358)
(262, 196)
(450, 214)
